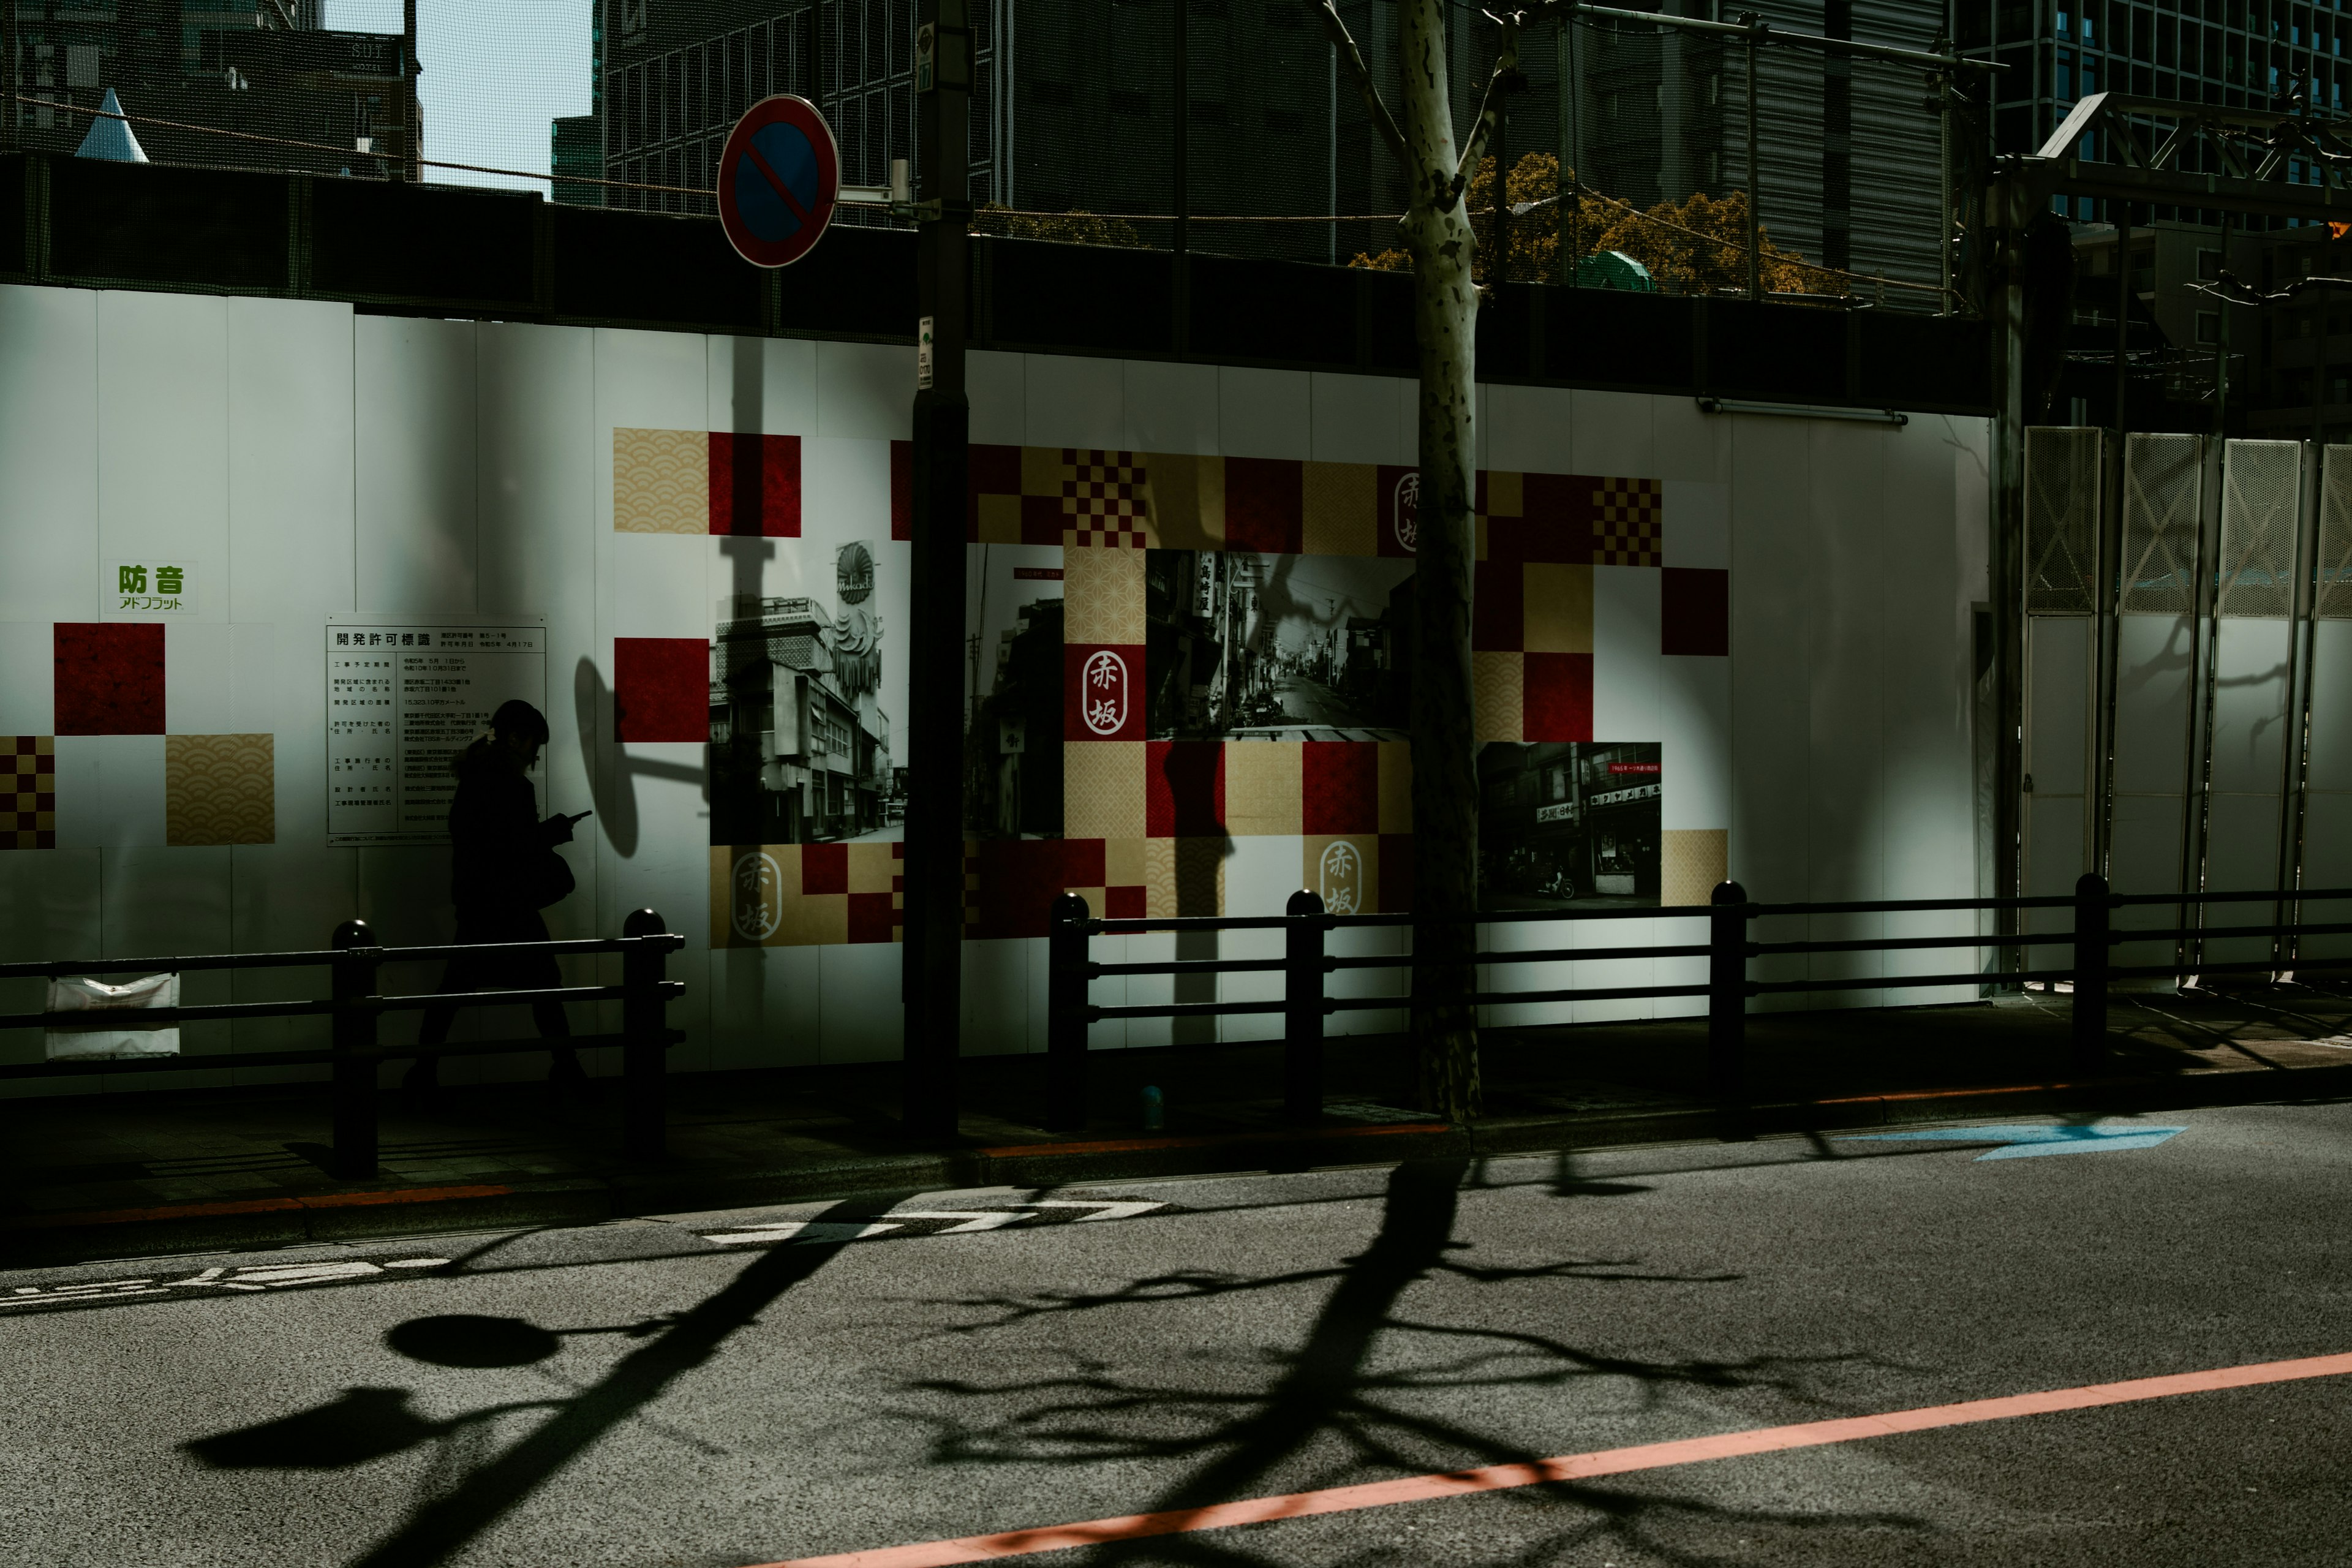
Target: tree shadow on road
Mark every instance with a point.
(1352, 1403)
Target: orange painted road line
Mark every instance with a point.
(1568, 1467)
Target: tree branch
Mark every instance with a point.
(1507, 62)
(1382, 121)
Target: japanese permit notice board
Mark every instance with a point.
(402, 703)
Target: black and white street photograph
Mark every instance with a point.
(1277, 648)
(1568, 822)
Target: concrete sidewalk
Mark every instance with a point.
(120, 1176)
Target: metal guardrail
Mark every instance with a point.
(1304, 966)
(354, 1005)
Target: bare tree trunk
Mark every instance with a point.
(1437, 235)
(1445, 771)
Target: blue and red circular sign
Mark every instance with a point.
(778, 179)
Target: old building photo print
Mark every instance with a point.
(1013, 692)
(1568, 822)
(800, 745)
(1244, 647)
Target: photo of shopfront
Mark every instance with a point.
(1568, 822)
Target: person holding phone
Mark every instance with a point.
(504, 869)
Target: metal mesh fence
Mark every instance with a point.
(2334, 601)
(2163, 480)
(2064, 471)
(2260, 488)
(1227, 127)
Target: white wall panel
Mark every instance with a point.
(763, 1006)
(1697, 524)
(1261, 874)
(163, 435)
(291, 463)
(1847, 669)
(110, 792)
(27, 677)
(1694, 741)
(859, 986)
(1772, 724)
(768, 386)
(2057, 759)
(863, 389)
(1625, 654)
(2243, 820)
(1613, 433)
(413, 405)
(998, 387)
(160, 903)
(1168, 408)
(1356, 419)
(1533, 429)
(1260, 413)
(49, 903)
(48, 454)
(1075, 402)
(1691, 447)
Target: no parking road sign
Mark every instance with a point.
(778, 180)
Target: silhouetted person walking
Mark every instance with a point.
(503, 870)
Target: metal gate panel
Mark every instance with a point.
(2327, 807)
(2063, 467)
(2247, 756)
(2163, 482)
(2057, 816)
(2261, 494)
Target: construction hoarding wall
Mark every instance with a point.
(1702, 644)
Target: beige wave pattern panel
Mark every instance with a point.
(220, 789)
(1690, 861)
(1102, 596)
(661, 481)
(1496, 696)
(1102, 790)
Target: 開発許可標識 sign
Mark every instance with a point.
(402, 703)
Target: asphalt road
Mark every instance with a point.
(770, 1385)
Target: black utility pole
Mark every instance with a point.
(933, 958)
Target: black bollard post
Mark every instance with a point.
(644, 1019)
(355, 1044)
(1727, 995)
(1066, 966)
(2091, 960)
(1302, 1008)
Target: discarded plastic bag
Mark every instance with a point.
(113, 1029)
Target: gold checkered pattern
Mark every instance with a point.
(1626, 526)
(28, 802)
(1102, 496)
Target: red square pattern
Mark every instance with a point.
(1123, 904)
(1042, 520)
(109, 677)
(1184, 789)
(1694, 611)
(1102, 694)
(1339, 787)
(902, 490)
(1399, 500)
(873, 917)
(1557, 696)
(1082, 863)
(991, 470)
(1396, 873)
(755, 485)
(824, 868)
(1498, 612)
(1556, 525)
(1265, 504)
(661, 689)
(1019, 879)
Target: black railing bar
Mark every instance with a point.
(2187, 933)
(1877, 945)
(97, 1020)
(1144, 924)
(1530, 955)
(1898, 906)
(1504, 998)
(1902, 982)
(2256, 896)
(53, 968)
(1190, 966)
(1337, 923)
(211, 1061)
(1183, 1010)
(669, 988)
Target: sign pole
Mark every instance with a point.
(933, 960)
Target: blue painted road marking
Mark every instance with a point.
(2024, 1142)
